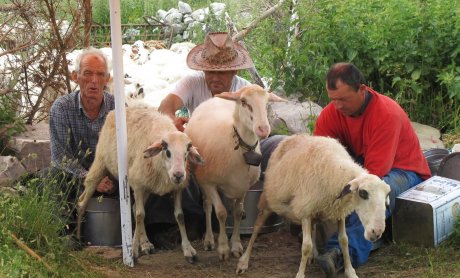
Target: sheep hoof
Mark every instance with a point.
(237, 254)
(191, 259)
(224, 256)
(147, 249)
(208, 246)
(242, 267)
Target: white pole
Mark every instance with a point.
(120, 115)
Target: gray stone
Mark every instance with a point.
(10, 170)
(184, 8)
(173, 17)
(33, 147)
(199, 15)
(292, 117)
(429, 137)
(161, 14)
(217, 8)
(187, 19)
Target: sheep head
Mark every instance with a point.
(176, 147)
(252, 107)
(370, 199)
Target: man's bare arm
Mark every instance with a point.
(169, 105)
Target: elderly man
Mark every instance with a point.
(76, 119)
(378, 134)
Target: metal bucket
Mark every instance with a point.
(434, 157)
(274, 221)
(450, 166)
(101, 226)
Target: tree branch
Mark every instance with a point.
(240, 35)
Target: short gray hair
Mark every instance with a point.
(91, 51)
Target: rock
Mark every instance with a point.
(292, 117)
(33, 147)
(173, 17)
(217, 8)
(10, 170)
(184, 8)
(429, 137)
(456, 148)
(199, 15)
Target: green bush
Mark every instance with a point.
(408, 50)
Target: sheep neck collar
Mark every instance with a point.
(243, 144)
(250, 156)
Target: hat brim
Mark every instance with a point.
(196, 61)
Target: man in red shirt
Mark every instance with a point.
(378, 134)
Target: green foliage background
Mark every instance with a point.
(408, 50)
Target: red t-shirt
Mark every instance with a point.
(382, 135)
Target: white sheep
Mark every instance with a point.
(312, 178)
(224, 128)
(149, 134)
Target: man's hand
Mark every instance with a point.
(179, 122)
(105, 186)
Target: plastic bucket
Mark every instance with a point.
(101, 225)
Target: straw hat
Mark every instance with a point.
(219, 53)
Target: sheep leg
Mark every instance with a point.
(221, 213)
(208, 241)
(140, 241)
(264, 213)
(95, 175)
(237, 248)
(343, 240)
(307, 246)
(189, 251)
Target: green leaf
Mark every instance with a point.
(415, 74)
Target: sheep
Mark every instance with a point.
(149, 134)
(237, 121)
(311, 178)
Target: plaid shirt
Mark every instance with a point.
(73, 135)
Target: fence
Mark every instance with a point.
(151, 30)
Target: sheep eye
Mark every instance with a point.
(364, 194)
(244, 103)
(168, 154)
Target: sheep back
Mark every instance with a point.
(305, 175)
(144, 127)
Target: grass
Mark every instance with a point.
(35, 215)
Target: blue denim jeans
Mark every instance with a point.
(399, 181)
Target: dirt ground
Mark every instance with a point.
(274, 255)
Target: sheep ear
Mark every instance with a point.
(153, 150)
(229, 96)
(346, 190)
(194, 156)
(274, 98)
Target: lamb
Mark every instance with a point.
(237, 121)
(149, 134)
(311, 178)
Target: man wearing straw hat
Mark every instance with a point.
(217, 62)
